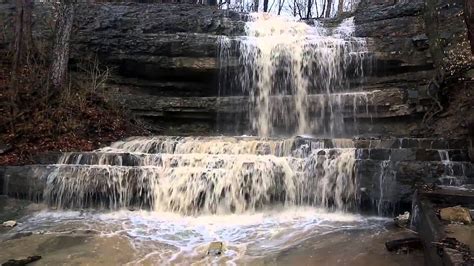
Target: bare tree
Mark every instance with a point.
(324, 9)
(255, 5)
(328, 8)
(281, 3)
(309, 6)
(60, 51)
(340, 7)
(469, 18)
(294, 8)
(299, 7)
(23, 45)
(265, 5)
(316, 7)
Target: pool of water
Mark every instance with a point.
(278, 236)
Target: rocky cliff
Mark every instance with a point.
(421, 46)
(164, 60)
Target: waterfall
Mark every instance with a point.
(282, 63)
(297, 78)
(205, 175)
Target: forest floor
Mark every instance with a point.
(31, 124)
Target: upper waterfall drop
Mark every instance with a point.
(282, 63)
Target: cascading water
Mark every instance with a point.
(199, 175)
(283, 64)
(257, 195)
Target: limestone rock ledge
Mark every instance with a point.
(161, 54)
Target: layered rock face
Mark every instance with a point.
(419, 46)
(165, 63)
(164, 59)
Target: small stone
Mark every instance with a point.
(402, 220)
(215, 249)
(456, 214)
(9, 223)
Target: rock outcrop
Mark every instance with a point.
(420, 46)
(165, 63)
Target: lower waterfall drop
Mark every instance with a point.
(215, 175)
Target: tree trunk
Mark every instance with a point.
(469, 18)
(309, 6)
(340, 7)
(17, 46)
(61, 46)
(299, 11)
(280, 6)
(30, 48)
(255, 5)
(316, 7)
(294, 8)
(265, 5)
(23, 45)
(328, 8)
(324, 9)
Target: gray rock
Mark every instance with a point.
(402, 220)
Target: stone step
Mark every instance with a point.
(359, 104)
(413, 154)
(140, 149)
(209, 158)
(421, 171)
(389, 185)
(420, 143)
(314, 142)
(134, 86)
(205, 161)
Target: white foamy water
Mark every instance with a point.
(280, 56)
(197, 175)
(169, 238)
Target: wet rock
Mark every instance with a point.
(9, 223)
(215, 249)
(456, 214)
(402, 220)
(19, 262)
(379, 154)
